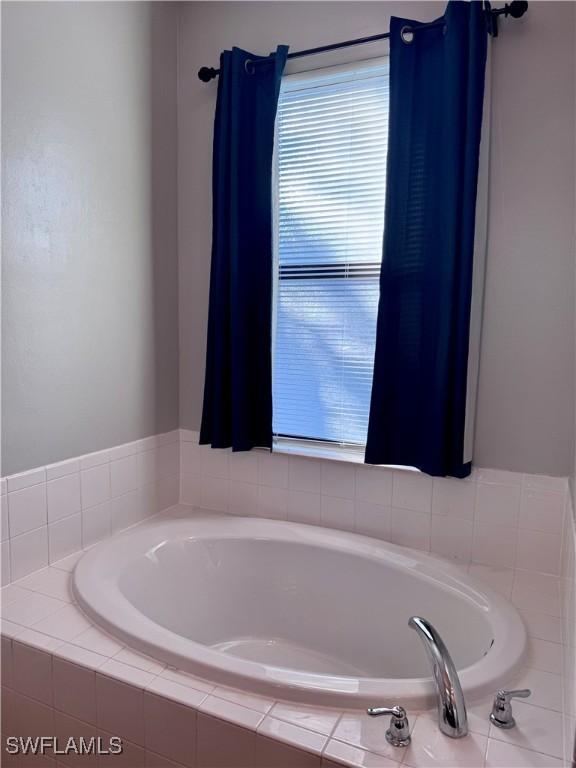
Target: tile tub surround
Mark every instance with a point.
(64, 675)
(494, 518)
(54, 511)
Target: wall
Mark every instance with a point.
(525, 404)
(90, 339)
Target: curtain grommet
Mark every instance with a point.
(249, 67)
(407, 35)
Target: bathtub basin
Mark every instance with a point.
(295, 611)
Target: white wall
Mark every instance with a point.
(525, 408)
(90, 326)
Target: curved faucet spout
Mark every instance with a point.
(452, 718)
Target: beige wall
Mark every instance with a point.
(525, 406)
(90, 339)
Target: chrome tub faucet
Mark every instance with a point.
(452, 718)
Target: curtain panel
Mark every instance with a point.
(237, 409)
(418, 402)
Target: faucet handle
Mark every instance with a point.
(398, 734)
(501, 714)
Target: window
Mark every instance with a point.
(330, 169)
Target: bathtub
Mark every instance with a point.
(296, 612)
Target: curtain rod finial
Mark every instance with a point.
(207, 73)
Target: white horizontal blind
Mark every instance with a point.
(331, 144)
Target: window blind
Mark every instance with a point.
(330, 169)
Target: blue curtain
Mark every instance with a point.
(418, 403)
(237, 409)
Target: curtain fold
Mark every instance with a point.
(418, 402)
(237, 409)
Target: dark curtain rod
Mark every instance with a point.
(516, 9)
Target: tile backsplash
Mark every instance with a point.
(50, 512)
(496, 518)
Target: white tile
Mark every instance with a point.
(93, 639)
(214, 493)
(243, 466)
(312, 718)
(430, 748)
(213, 462)
(170, 729)
(182, 694)
(6, 576)
(26, 479)
(96, 524)
(502, 755)
(13, 592)
(542, 510)
(374, 485)
(336, 512)
(49, 581)
(250, 700)
(27, 509)
(546, 483)
(4, 528)
(243, 498)
(546, 688)
(74, 690)
(138, 660)
(169, 459)
(497, 505)
(538, 551)
(273, 469)
(338, 479)
(123, 476)
(64, 537)
(95, 485)
(542, 626)
(96, 459)
(498, 476)
(125, 511)
(120, 708)
(494, 545)
(147, 467)
(304, 474)
(29, 552)
(62, 468)
(183, 678)
(272, 502)
(372, 519)
(3, 486)
(412, 490)
(127, 674)
(231, 712)
(65, 624)
(336, 753)
(124, 450)
(189, 459)
(31, 609)
(536, 728)
(32, 671)
(63, 497)
(222, 744)
(304, 507)
(81, 656)
(451, 537)
(190, 490)
(189, 435)
(294, 735)
(537, 592)
(544, 655)
(453, 498)
(410, 529)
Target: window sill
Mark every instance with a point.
(332, 452)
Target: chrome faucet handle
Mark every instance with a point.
(501, 714)
(398, 734)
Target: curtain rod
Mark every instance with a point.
(516, 9)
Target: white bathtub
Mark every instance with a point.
(297, 612)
